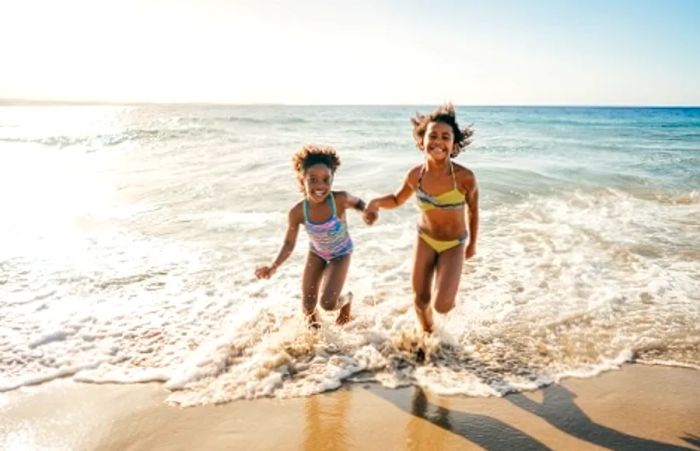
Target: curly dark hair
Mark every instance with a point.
(446, 115)
(310, 155)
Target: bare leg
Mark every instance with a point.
(449, 271)
(311, 281)
(424, 262)
(333, 280)
(344, 312)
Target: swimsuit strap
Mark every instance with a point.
(306, 208)
(333, 213)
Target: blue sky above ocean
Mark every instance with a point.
(371, 52)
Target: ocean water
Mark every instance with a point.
(129, 236)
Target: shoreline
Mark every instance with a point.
(636, 407)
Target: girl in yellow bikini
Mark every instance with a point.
(448, 198)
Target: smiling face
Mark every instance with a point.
(317, 182)
(438, 141)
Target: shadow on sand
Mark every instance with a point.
(557, 408)
(482, 430)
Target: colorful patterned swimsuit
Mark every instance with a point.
(329, 239)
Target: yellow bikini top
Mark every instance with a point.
(448, 200)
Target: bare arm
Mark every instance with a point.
(390, 201)
(354, 202)
(294, 219)
(472, 198)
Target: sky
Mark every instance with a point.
(310, 52)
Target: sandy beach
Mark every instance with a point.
(638, 407)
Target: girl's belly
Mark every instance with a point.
(443, 224)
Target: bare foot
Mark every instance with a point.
(425, 318)
(344, 313)
(312, 321)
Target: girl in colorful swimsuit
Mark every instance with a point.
(448, 199)
(322, 213)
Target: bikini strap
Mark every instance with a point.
(454, 180)
(452, 171)
(420, 177)
(306, 210)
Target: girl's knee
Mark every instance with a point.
(444, 306)
(329, 301)
(309, 304)
(328, 304)
(422, 300)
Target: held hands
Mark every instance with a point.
(265, 272)
(371, 213)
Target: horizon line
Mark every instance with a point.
(39, 102)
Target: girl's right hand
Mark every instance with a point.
(264, 272)
(371, 213)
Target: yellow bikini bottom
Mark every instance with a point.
(440, 246)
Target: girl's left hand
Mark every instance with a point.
(469, 251)
(264, 272)
(371, 213)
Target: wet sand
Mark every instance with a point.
(639, 407)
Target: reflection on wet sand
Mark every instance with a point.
(418, 430)
(325, 427)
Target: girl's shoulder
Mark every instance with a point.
(415, 170)
(341, 199)
(340, 196)
(462, 171)
(298, 206)
(413, 174)
(464, 175)
(296, 213)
